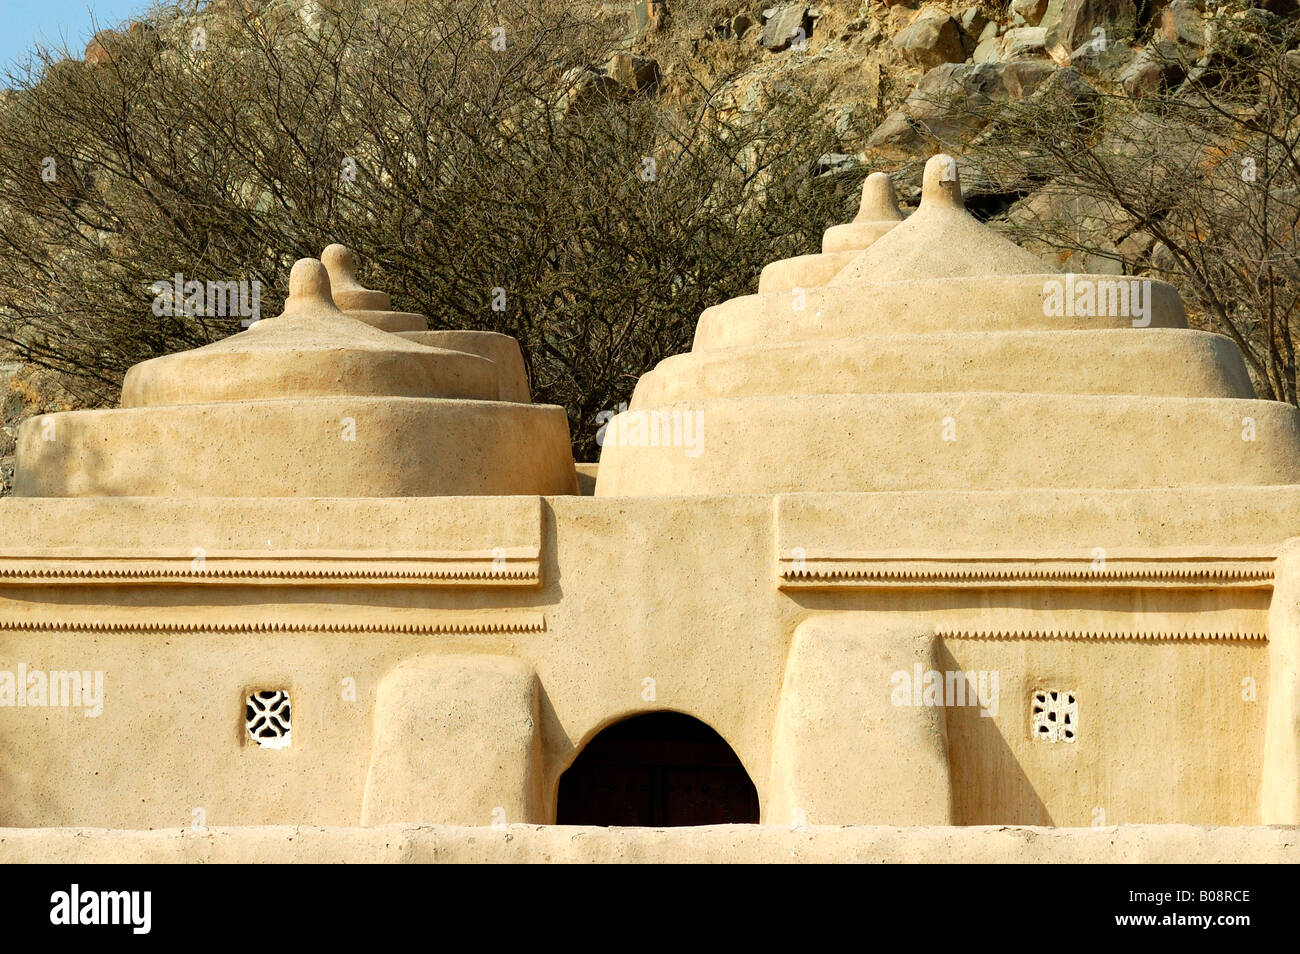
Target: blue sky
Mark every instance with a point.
(25, 23)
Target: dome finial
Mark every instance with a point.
(348, 293)
(879, 200)
(342, 267)
(309, 290)
(941, 184)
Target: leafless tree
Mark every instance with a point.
(486, 174)
(1195, 180)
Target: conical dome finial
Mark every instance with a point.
(879, 200)
(941, 239)
(941, 184)
(348, 293)
(309, 291)
(878, 212)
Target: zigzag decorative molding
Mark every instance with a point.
(519, 566)
(833, 571)
(516, 623)
(961, 632)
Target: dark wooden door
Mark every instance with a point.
(658, 770)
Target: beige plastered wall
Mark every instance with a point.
(584, 611)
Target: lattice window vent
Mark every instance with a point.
(1055, 715)
(267, 718)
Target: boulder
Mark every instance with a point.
(972, 21)
(1136, 251)
(1149, 137)
(107, 45)
(638, 73)
(1181, 22)
(586, 89)
(1024, 42)
(783, 26)
(1065, 87)
(1097, 21)
(941, 105)
(834, 164)
(145, 35)
(1102, 59)
(656, 17)
(1028, 11)
(1153, 69)
(1092, 221)
(1163, 261)
(989, 50)
(897, 132)
(1053, 14)
(931, 39)
(103, 47)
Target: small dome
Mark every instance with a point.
(311, 350)
(311, 403)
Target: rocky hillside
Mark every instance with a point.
(883, 63)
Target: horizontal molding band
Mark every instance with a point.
(961, 632)
(518, 623)
(834, 572)
(285, 569)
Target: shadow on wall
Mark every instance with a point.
(43, 461)
(989, 786)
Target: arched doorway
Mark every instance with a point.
(662, 769)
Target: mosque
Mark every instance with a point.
(906, 539)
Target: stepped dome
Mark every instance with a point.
(944, 357)
(372, 308)
(312, 349)
(365, 305)
(311, 403)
